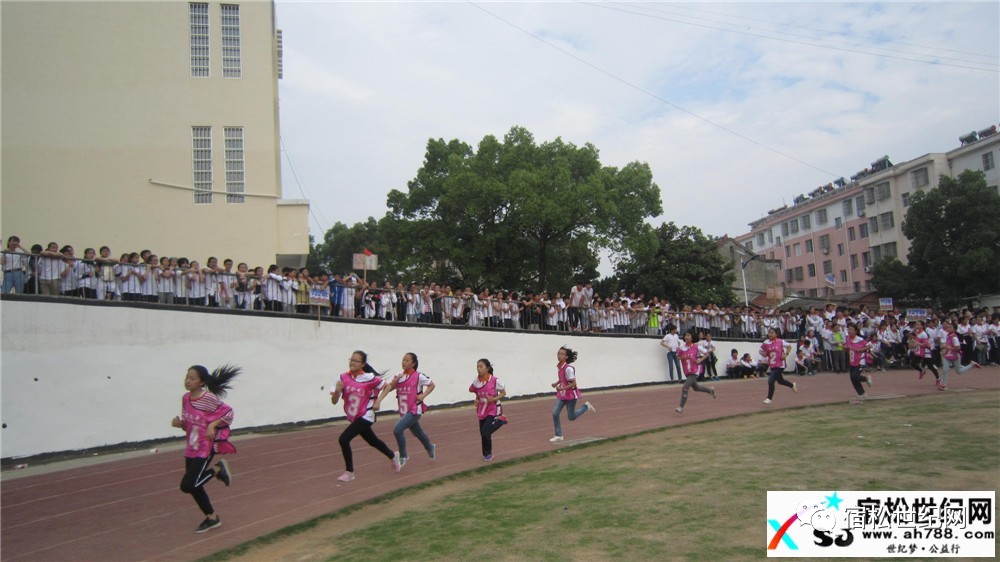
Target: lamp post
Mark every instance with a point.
(743, 272)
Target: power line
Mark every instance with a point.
(295, 174)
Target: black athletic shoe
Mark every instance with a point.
(222, 472)
(208, 525)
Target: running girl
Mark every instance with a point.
(951, 355)
(567, 393)
(412, 388)
(775, 351)
(691, 356)
(857, 350)
(206, 420)
(360, 385)
(489, 391)
(923, 352)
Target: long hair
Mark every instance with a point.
(218, 381)
(489, 366)
(416, 362)
(570, 354)
(364, 359)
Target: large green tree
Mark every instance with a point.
(955, 243)
(335, 254)
(683, 265)
(514, 213)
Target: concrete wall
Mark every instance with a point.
(76, 376)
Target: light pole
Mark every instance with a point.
(743, 272)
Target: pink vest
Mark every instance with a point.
(196, 423)
(952, 347)
(688, 355)
(407, 389)
(855, 350)
(571, 394)
(488, 390)
(359, 396)
(775, 353)
(923, 344)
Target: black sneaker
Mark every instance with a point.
(209, 524)
(222, 472)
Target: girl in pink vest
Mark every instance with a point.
(359, 386)
(923, 351)
(951, 355)
(206, 419)
(775, 351)
(691, 363)
(567, 392)
(412, 388)
(489, 391)
(857, 349)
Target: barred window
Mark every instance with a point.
(882, 191)
(848, 207)
(873, 224)
(235, 173)
(859, 204)
(919, 178)
(201, 155)
(821, 216)
(806, 222)
(232, 65)
(198, 12)
(794, 225)
(885, 221)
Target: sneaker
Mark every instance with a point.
(767, 400)
(712, 390)
(433, 453)
(488, 458)
(868, 379)
(503, 420)
(975, 365)
(921, 375)
(942, 387)
(208, 524)
(402, 461)
(795, 388)
(222, 472)
(590, 407)
(556, 439)
(679, 410)
(396, 464)
(346, 477)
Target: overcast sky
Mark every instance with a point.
(737, 107)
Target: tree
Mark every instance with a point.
(683, 265)
(955, 239)
(335, 254)
(517, 214)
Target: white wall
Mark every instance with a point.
(78, 376)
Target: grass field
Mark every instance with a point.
(694, 492)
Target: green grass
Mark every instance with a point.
(694, 492)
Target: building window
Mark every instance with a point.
(857, 286)
(866, 259)
(794, 224)
(235, 173)
(851, 235)
(824, 242)
(770, 236)
(869, 195)
(788, 251)
(843, 276)
(906, 199)
(918, 178)
(821, 216)
(809, 246)
(827, 267)
(797, 249)
(863, 230)
(848, 205)
(784, 229)
(868, 285)
(873, 224)
(886, 221)
(199, 38)
(798, 273)
(749, 245)
(231, 61)
(813, 293)
(882, 191)
(838, 222)
(201, 154)
(788, 275)
(859, 204)
(854, 261)
(760, 239)
(811, 268)
(840, 249)
(988, 161)
(806, 222)
(889, 250)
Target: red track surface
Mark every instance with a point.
(132, 509)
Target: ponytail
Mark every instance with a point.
(219, 381)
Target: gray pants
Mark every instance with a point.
(692, 382)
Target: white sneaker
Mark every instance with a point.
(396, 465)
(712, 390)
(868, 379)
(679, 410)
(402, 461)
(346, 477)
(795, 388)
(556, 439)
(767, 400)
(590, 407)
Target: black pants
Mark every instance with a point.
(856, 379)
(776, 377)
(363, 428)
(196, 474)
(487, 427)
(921, 363)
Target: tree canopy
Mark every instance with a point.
(955, 243)
(514, 213)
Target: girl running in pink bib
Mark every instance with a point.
(692, 362)
(412, 388)
(567, 392)
(857, 349)
(489, 391)
(206, 420)
(775, 350)
(359, 386)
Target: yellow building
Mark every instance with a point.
(146, 125)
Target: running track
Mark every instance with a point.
(131, 508)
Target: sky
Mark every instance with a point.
(736, 107)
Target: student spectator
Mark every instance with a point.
(15, 262)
